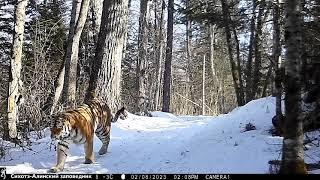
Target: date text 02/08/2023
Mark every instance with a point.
(176, 176)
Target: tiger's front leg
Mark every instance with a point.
(89, 159)
(62, 152)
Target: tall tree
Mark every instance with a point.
(167, 68)
(277, 63)
(159, 51)
(212, 35)
(257, 51)
(66, 79)
(234, 70)
(238, 65)
(142, 58)
(79, 13)
(292, 150)
(106, 69)
(250, 53)
(204, 85)
(189, 53)
(15, 81)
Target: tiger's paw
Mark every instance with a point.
(103, 150)
(88, 161)
(55, 170)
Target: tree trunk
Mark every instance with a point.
(277, 64)
(96, 11)
(203, 85)
(106, 70)
(189, 63)
(239, 70)
(292, 150)
(167, 69)
(226, 18)
(159, 54)
(267, 81)
(212, 29)
(257, 51)
(60, 80)
(15, 82)
(71, 61)
(58, 84)
(142, 58)
(250, 53)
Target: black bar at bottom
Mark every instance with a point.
(156, 176)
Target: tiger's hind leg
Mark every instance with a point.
(88, 146)
(104, 136)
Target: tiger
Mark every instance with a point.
(79, 125)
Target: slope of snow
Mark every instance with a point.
(166, 143)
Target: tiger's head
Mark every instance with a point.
(60, 127)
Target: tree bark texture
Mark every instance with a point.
(71, 61)
(96, 11)
(105, 79)
(60, 80)
(277, 63)
(226, 18)
(292, 150)
(167, 70)
(159, 54)
(15, 82)
(142, 58)
(238, 66)
(257, 51)
(216, 91)
(204, 85)
(189, 85)
(250, 53)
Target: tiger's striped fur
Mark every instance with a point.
(79, 125)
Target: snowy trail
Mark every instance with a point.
(170, 144)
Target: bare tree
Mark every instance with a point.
(71, 60)
(216, 92)
(238, 65)
(159, 52)
(167, 69)
(279, 71)
(142, 58)
(106, 68)
(234, 70)
(257, 51)
(250, 53)
(189, 50)
(75, 30)
(15, 82)
(292, 150)
(204, 85)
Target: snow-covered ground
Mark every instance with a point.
(172, 144)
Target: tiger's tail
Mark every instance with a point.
(121, 113)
